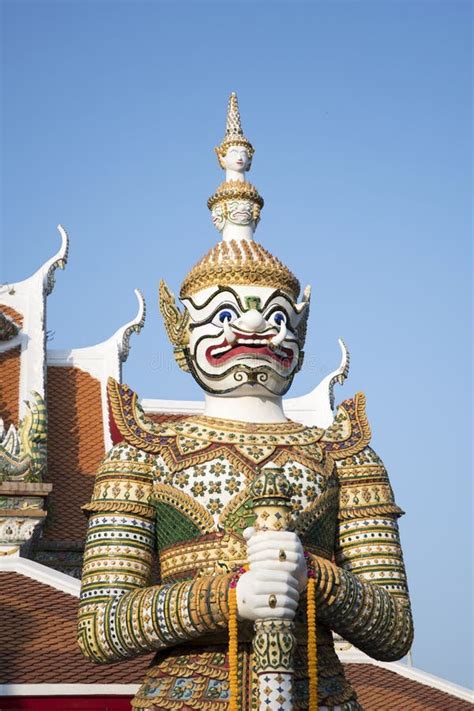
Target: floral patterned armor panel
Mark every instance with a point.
(234, 619)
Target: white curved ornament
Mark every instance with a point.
(337, 376)
(305, 301)
(28, 298)
(316, 408)
(58, 261)
(122, 336)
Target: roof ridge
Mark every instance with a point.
(41, 573)
(355, 656)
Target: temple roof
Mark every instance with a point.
(379, 688)
(38, 624)
(75, 448)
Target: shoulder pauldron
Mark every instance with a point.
(350, 430)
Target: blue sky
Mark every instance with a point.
(360, 115)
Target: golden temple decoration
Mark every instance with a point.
(209, 554)
(350, 431)
(233, 651)
(239, 262)
(217, 429)
(176, 323)
(235, 190)
(120, 507)
(241, 196)
(312, 645)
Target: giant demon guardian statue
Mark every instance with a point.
(270, 535)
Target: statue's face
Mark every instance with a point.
(240, 211)
(245, 340)
(237, 159)
(218, 217)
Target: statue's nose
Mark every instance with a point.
(252, 321)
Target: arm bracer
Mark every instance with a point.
(121, 614)
(363, 594)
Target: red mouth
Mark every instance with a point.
(283, 356)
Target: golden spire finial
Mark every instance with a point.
(233, 126)
(234, 135)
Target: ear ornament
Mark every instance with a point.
(176, 324)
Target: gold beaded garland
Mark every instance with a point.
(233, 650)
(312, 645)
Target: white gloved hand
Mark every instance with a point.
(255, 588)
(277, 568)
(277, 550)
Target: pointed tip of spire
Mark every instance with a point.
(233, 123)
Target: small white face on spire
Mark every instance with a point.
(236, 161)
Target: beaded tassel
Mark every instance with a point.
(312, 645)
(233, 649)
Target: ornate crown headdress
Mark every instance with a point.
(240, 262)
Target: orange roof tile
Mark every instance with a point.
(9, 386)
(15, 316)
(165, 416)
(38, 639)
(75, 449)
(378, 688)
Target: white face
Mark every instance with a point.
(244, 340)
(218, 218)
(240, 211)
(236, 159)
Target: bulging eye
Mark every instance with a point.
(278, 317)
(225, 315)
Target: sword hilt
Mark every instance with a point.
(274, 642)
